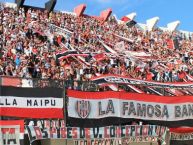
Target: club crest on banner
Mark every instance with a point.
(83, 108)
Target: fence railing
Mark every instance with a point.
(40, 83)
(91, 86)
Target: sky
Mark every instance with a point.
(167, 10)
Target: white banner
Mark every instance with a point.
(30, 102)
(102, 108)
(182, 136)
(131, 132)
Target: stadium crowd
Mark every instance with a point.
(30, 43)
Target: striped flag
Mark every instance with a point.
(172, 43)
(181, 136)
(130, 23)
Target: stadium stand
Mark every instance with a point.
(76, 51)
(36, 44)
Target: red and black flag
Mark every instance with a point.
(181, 136)
(172, 43)
(31, 102)
(130, 23)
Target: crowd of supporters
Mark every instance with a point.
(30, 41)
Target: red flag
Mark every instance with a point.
(100, 56)
(125, 19)
(170, 44)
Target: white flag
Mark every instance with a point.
(120, 46)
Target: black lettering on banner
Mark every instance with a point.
(1, 104)
(122, 131)
(92, 142)
(35, 103)
(76, 142)
(132, 131)
(30, 133)
(186, 137)
(177, 111)
(111, 142)
(58, 132)
(101, 112)
(190, 109)
(11, 141)
(150, 111)
(86, 142)
(29, 102)
(175, 137)
(110, 107)
(140, 131)
(141, 110)
(132, 109)
(158, 111)
(184, 111)
(82, 133)
(133, 139)
(7, 103)
(41, 104)
(140, 139)
(150, 130)
(165, 111)
(46, 102)
(112, 132)
(96, 132)
(125, 107)
(191, 135)
(44, 133)
(180, 136)
(53, 102)
(14, 102)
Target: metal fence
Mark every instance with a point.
(91, 86)
(40, 83)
